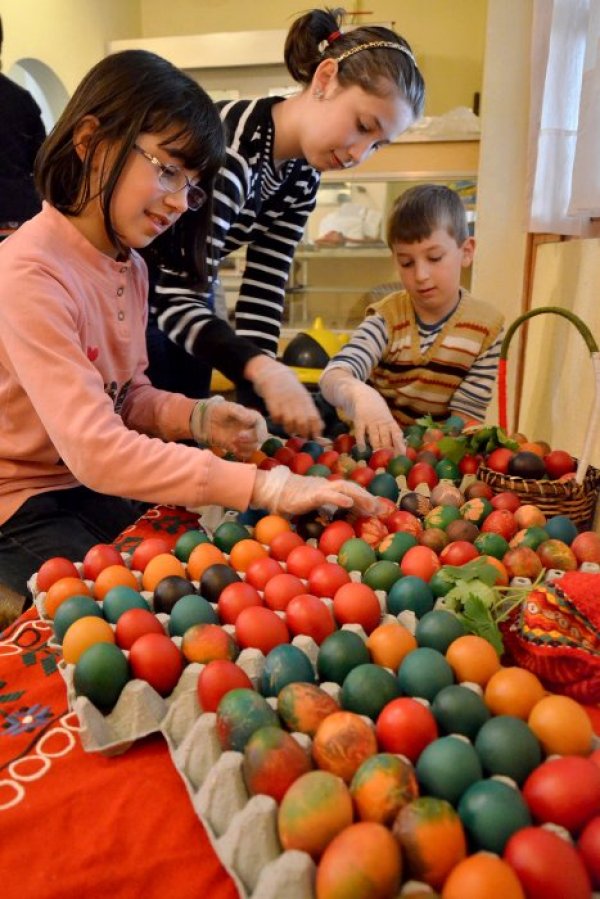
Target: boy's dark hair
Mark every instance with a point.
(131, 92)
(317, 35)
(423, 209)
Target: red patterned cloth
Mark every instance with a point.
(168, 522)
(555, 634)
(78, 824)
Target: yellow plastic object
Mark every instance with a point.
(329, 340)
(307, 375)
(219, 383)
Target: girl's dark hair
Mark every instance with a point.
(426, 208)
(131, 92)
(317, 35)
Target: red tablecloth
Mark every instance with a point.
(77, 824)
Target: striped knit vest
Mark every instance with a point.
(415, 384)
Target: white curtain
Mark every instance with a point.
(564, 136)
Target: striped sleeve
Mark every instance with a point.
(473, 395)
(365, 349)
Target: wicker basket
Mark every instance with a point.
(576, 498)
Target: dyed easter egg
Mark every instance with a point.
(228, 534)
(441, 516)
(432, 839)
(188, 611)
(382, 785)
(119, 600)
(100, 674)
(363, 861)
(367, 688)
(314, 810)
(339, 654)
(285, 664)
(476, 510)
(491, 811)
(240, 713)
(205, 642)
(302, 707)
(187, 542)
(273, 760)
(342, 743)
(71, 610)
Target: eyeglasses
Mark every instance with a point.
(172, 179)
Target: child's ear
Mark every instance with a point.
(82, 134)
(323, 78)
(468, 251)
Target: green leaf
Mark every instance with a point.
(476, 569)
(426, 422)
(453, 448)
(477, 619)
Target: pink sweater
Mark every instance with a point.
(75, 404)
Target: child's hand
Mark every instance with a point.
(369, 412)
(228, 425)
(289, 403)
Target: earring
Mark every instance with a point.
(318, 94)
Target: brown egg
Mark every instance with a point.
(446, 494)
(435, 538)
(416, 503)
(462, 530)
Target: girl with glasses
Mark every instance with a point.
(359, 90)
(86, 442)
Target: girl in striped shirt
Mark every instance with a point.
(360, 90)
(429, 349)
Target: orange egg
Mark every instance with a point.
(63, 589)
(389, 643)
(244, 552)
(270, 526)
(82, 634)
(114, 576)
(472, 659)
(562, 726)
(513, 691)
(482, 875)
(162, 565)
(202, 557)
(363, 860)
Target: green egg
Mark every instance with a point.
(367, 689)
(384, 484)
(438, 629)
(559, 527)
(339, 654)
(410, 593)
(447, 767)
(507, 745)
(423, 673)
(361, 454)
(285, 664)
(447, 470)
(239, 714)
(441, 516)
(441, 582)
(460, 710)
(356, 555)
(228, 534)
(490, 544)
(319, 471)
(476, 510)
(120, 599)
(491, 811)
(71, 610)
(399, 465)
(100, 674)
(532, 537)
(381, 575)
(188, 611)
(271, 445)
(393, 547)
(187, 542)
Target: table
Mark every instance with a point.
(77, 824)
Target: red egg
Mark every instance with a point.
(260, 572)
(309, 615)
(420, 561)
(326, 578)
(357, 604)
(260, 628)
(500, 521)
(334, 535)
(506, 500)
(234, 599)
(53, 570)
(458, 552)
(135, 623)
(98, 558)
(405, 727)
(301, 463)
(421, 473)
(282, 545)
(157, 660)
(216, 679)
(281, 589)
(146, 550)
(303, 559)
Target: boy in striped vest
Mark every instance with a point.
(431, 348)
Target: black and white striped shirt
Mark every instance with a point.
(258, 206)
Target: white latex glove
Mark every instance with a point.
(228, 425)
(367, 409)
(289, 403)
(281, 491)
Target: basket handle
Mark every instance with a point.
(595, 357)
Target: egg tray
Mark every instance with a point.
(242, 828)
